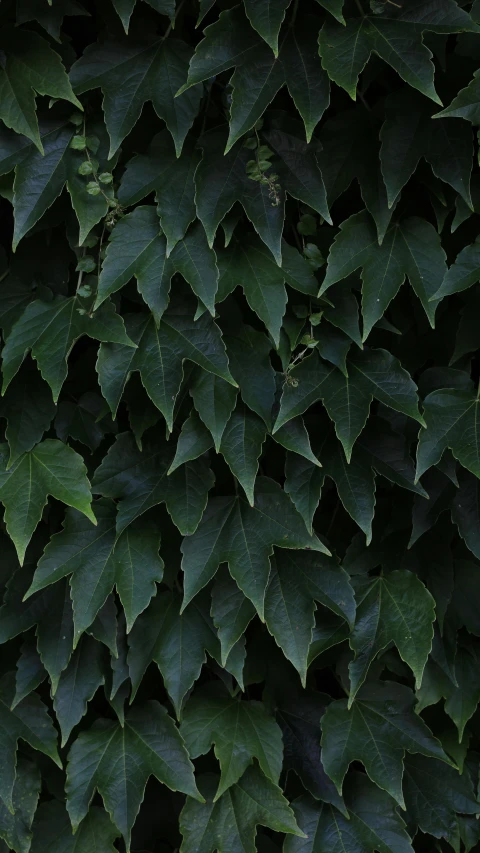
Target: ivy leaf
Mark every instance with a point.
(402, 254)
(377, 730)
(193, 441)
(266, 17)
(451, 421)
(297, 66)
(137, 248)
(29, 721)
(373, 822)
(214, 400)
(229, 824)
(371, 373)
(15, 825)
(408, 134)
(240, 731)
(52, 831)
(171, 179)
(241, 447)
(297, 579)
(466, 511)
(124, 9)
(231, 611)
(246, 263)
(444, 789)
(148, 745)
(299, 718)
(355, 483)
(466, 104)
(345, 50)
(220, 181)
(294, 437)
(41, 177)
(303, 484)
(28, 409)
(97, 561)
(51, 468)
(160, 356)
(78, 684)
(298, 166)
(350, 150)
(49, 328)
(249, 360)
(396, 608)
(176, 641)
(185, 491)
(30, 67)
(463, 272)
(156, 68)
(233, 532)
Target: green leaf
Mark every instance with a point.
(185, 491)
(246, 263)
(214, 400)
(408, 134)
(52, 831)
(97, 560)
(30, 67)
(297, 165)
(15, 825)
(137, 248)
(28, 409)
(294, 437)
(171, 179)
(233, 532)
(373, 822)
(30, 722)
(384, 268)
(156, 66)
(466, 511)
(30, 670)
(148, 745)
(466, 104)
(256, 82)
(266, 17)
(220, 181)
(303, 484)
(451, 421)
(463, 273)
(355, 483)
(78, 684)
(396, 608)
(345, 51)
(241, 447)
(231, 611)
(51, 468)
(240, 730)
(249, 361)
(176, 641)
(49, 328)
(377, 730)
(299, 718)
(371, 373)
(228, 825)
(193, 441)
(160, 356)
(444, 793)
(298, 579)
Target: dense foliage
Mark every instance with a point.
(240, 314)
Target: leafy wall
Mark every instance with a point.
(240, 316)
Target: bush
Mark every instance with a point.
(239, 296)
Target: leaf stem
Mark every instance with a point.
(172, 23)
(360, 8)
(294, 13)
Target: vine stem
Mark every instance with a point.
(294, 13)
(172, 23)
